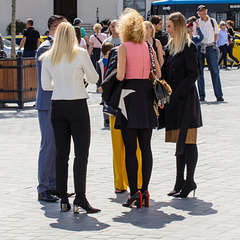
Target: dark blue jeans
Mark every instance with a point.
(212, 61)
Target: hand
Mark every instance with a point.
(99, 89)
(197, 23)
(191, 18)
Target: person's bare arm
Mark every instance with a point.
(90, 48)
(158, 69)
(121, 62)
(22, 43)
(215, 37)
(87, 40)
(160, 52)
(38, 42)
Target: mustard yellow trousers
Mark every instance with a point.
(119, 167)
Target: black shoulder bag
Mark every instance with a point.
(162, 90)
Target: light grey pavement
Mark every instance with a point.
(213, 214)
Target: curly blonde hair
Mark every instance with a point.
(130, 26)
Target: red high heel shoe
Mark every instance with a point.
(135, 199)
(145, 198)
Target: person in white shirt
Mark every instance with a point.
(208, 50)
(95, 43)
(64, 66)
(82, 43)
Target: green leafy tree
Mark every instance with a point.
(20, 26)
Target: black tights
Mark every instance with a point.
(130, 137)
(189, 157)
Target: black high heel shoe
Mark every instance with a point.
(177, 188)
(65, 206)
(135, 199)
(186, 190)
(145, 198)
(83, 203)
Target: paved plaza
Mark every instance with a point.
(213, 214)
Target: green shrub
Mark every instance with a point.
(20, 26)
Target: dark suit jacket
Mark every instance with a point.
(43, 97)
(183, 111)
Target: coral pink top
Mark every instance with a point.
(138, 61)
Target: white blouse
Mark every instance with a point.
(66, 79)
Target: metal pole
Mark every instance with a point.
(97, 15)
(20, 81)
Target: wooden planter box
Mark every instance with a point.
(18, 80)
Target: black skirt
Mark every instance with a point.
(136, 105)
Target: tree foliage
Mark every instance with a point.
(20, 26)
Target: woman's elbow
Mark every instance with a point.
(120, 77)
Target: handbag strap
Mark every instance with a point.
(152, 58)
(97, 38)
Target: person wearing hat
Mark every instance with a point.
(208, 50)
(198, 38)
(78, 22)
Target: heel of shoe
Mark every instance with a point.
(75, 209)
(139, 201)
(186, 190)
(84, 204)
(194, 192)
(145, 199)
(65, 207)
(135, 199)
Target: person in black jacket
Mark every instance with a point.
(162, 36)
(182, 114)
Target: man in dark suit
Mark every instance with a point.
(46, 161)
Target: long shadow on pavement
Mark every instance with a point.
(154, 218)
(194, 206)
(212, 102)
(70, 221)
(149, 218)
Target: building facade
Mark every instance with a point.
(89, 11)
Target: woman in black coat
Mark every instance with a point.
(182, 114)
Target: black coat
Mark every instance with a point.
(183, 112)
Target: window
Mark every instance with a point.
(139, 5)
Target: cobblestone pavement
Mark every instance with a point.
(213, 214)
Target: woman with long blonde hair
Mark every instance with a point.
(136, 117)
(64, 66)
(182, 114)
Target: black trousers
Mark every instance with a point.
(130, 137)
(70, 118)
(223, 50)
(95, 56)
(230, 52)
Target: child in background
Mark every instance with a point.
(101, 69)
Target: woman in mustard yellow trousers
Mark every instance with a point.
(119, 167)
